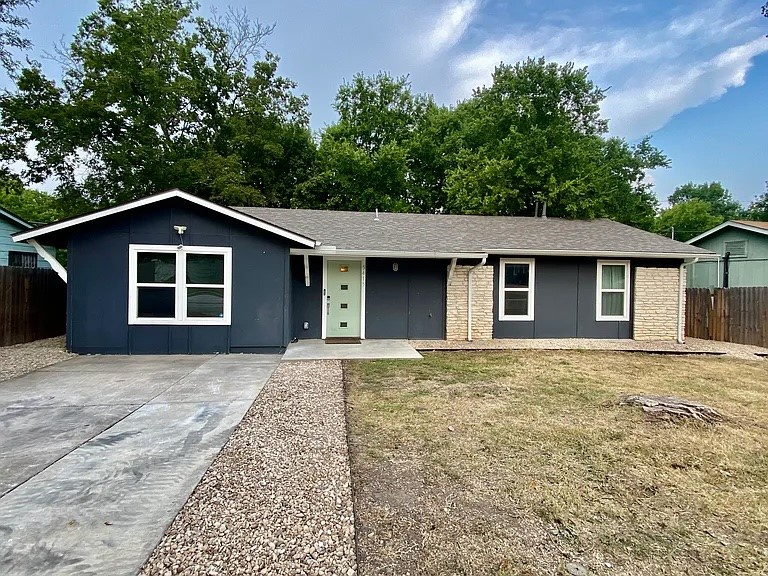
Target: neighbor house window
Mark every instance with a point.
(22, 259)
(170, 285)
(516, 281)
(613, 290)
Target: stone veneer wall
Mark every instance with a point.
(655, 303)
(482, 304)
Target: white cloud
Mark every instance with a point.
(655, 71)
(449, 26)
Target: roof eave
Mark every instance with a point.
(604, 253)
(175, 193)
(728, 224)
(17, 219)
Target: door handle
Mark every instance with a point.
(328, 304)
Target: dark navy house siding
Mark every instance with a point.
(406, 303)
(565, 300)
(97, 315)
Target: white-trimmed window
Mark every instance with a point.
(613, 290)
(171, 285)
(516, 282)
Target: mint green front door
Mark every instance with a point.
(343, 287)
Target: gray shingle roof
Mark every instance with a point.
(441, 233)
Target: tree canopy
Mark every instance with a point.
(11, 26)
(713, 193)
(535, 135)
(687, 219)
(34, 206)
(155, 97)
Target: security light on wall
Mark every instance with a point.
(180, 231)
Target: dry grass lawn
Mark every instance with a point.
(516, 463)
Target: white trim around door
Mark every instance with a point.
(324, 312)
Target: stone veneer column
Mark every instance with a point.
(655, 303)
(482, 304)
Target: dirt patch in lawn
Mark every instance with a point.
(516, 463)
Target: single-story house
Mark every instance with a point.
(742, 250)
(172, 273)
(14, 254)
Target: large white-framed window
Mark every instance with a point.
(613, 290)
(179, 285)
(516, 288)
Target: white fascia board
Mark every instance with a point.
(602, 254)
(387, 254)
(728, 224)
(266, 226)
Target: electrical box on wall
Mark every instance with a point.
(306, 325)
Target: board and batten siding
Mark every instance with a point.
(405, 303)
(7, 244)
(97, 319)
(751, 270)
(565, 301)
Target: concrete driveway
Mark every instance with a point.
(98, 454)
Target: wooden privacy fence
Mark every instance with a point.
(728, 314)
(33, 305)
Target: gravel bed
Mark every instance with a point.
(278, 498)
(692, 345)
(23, 358)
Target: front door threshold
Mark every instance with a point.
(342, 340)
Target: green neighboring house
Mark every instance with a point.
(17, 254)
(746, 242)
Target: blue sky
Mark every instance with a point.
(692, 74)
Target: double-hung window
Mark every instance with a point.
(188, 286)
(613, 290)
(516, 283)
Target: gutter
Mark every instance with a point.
(681, 301)
(469, 297)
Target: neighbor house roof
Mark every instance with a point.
(456, 235)
(15, 219)
(750, 225)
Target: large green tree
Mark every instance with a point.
(687, 219)
(713, 193)
(154, 96)
(363, 160)
(33, 206)
(536, 135)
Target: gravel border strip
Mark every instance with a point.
(691, 346)
(278, 498)
(21, 359)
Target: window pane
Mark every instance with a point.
(613, 304)
(205, 269)
(157, 302)
(613, 276)
(515, 303)
(156, 267)
(22, 259)
(205, 302)
(516, 275)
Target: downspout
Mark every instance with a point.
(469, 297)
(681, 300)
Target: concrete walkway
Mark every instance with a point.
(98, 454)
(366, 350)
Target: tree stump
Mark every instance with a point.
(669, 406)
